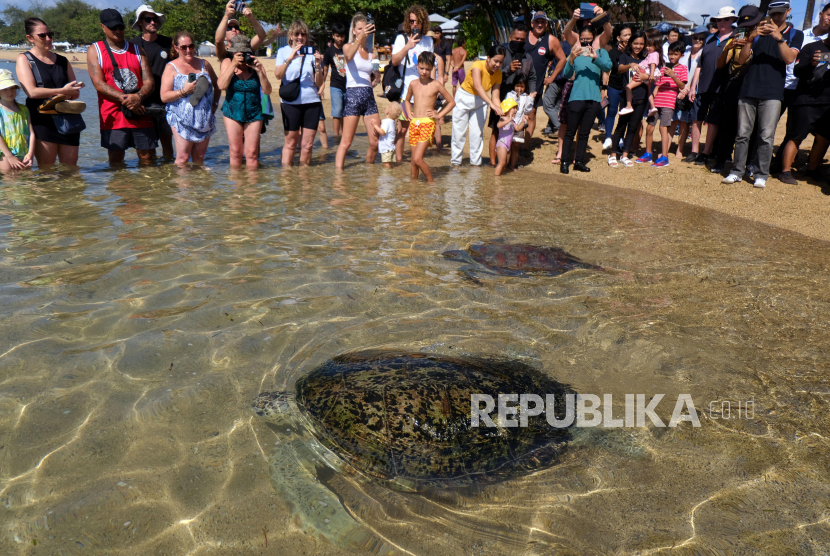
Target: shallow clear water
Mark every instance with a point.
(145, 308)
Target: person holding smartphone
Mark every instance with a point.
(360, 98)
(229, 28)
(190, 115)
(301, 116)
(408, 45)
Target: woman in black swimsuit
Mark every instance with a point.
(57, 78)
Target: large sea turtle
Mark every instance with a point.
(516, 259)
(403, 420)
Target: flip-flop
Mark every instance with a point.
(70, 107)
(202, 85)
(48, 106)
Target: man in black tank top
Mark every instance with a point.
(157, 47)
(543, 48)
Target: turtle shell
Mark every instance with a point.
(406, 417)
(521, 258)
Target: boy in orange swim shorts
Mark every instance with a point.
(422, 120)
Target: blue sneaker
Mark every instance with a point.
(645, 158)
(661, 162)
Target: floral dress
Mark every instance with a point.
(193, 124)
(14, 128)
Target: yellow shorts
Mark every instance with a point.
(421, 130)
(387, 157)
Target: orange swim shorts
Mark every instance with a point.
(421, 130)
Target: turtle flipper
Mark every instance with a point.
(299, 468)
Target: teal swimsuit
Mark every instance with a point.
(242, 100)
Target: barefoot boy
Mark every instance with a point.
(422, 120)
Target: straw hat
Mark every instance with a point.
(6, 79)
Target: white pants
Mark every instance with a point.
(470, 112)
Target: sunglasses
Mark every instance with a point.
(42, 36)
(233, 28)
(117, 28)
(150, 19)
(186, 47)
(300, 34)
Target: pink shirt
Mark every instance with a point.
(665, 93)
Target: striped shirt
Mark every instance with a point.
(666, 90)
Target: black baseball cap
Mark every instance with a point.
(111, 18)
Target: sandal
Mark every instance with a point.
(625, 161)
(70, 107)
(48, 106)
(612, 161)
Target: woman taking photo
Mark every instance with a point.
(300, 116)
(58, 78)
(242, 110)
(191, 116)
(627, 124)
(405, 51)
(360, 99)
(587, 65)
(479, 90)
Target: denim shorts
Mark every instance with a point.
(338, 101)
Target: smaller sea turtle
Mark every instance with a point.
(516, 259)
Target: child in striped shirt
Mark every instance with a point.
(673, 79)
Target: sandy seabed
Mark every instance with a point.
(803, 208)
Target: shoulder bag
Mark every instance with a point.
(290, 90)
(66, 124)
(393, 80)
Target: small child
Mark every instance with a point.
(386, 131)
(524, 107)
(424, 91)
(650, 65)
(17, 136)
(507, 127)
(674, 78)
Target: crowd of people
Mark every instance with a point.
(736, 77)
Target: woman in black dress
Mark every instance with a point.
(57, 78)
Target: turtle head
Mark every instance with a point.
(274, 404)
(459, 256)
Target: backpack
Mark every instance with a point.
(393, 81)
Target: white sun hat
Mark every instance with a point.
(144, 8)
(725, 12)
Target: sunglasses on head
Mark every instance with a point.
(150, 19)
(117, 28)
(186, 47)
(233, 27)
(50, 34)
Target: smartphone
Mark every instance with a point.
(416, 31)
(586, 10)
(740, 33)
(191, 77)
(238, 6)
(308, 50)
(370, 40)
(824, 57)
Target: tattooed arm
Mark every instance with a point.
(96, 74)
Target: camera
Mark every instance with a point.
(247, 58)
(306, 50)
(238, 6)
